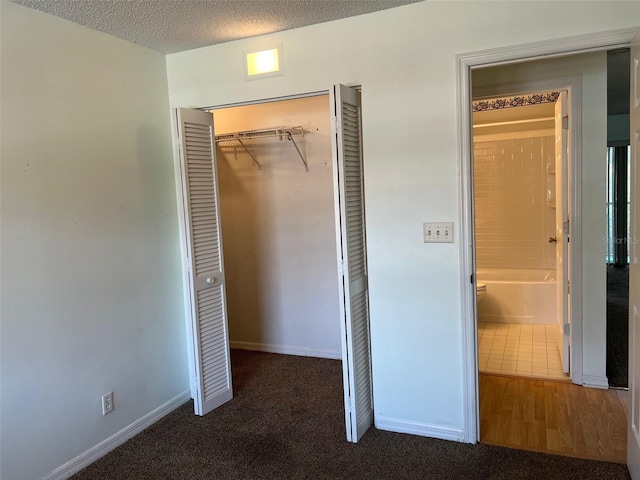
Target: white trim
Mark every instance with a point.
(417, 428)
(284, 98)
(576, 353)
(468, 305)
(464, 63)
(636, 87)
(595, 381)
(184, 257)
(261, 101)
(100, 450)
(287, 350)
(559, 47)
(633, 253)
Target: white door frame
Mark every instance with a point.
(595, 41)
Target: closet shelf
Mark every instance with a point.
(282, 132)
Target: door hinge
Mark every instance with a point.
(471, 279)
(341, 267)
(565, 122)
(568, 288)
(565, 227)
(567, 329)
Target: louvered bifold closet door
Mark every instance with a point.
(204, 260)
(352, 260)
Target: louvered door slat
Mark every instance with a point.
(207, 256)
(201, 212)
(204, 233)
(212, 332)
(351, 240)
(204, 250)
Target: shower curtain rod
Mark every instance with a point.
(513, 122)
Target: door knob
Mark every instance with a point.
(553, 239)
(211, 280)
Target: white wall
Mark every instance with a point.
(593, 71)
(278, 231)
(91, 285)
(404, 58)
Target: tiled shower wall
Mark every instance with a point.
(513, 215)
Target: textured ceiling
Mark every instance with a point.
(170, 26)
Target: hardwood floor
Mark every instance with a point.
(553, 417)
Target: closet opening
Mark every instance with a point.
(278, 226)
(278, 187)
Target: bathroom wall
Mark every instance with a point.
(278, 231)
(513, 218)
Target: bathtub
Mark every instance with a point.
(517, 296)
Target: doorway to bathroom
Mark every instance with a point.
(582, 61)
(521, 204)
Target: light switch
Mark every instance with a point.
(441, 232)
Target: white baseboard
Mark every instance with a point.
(286, 350)
(416, 428)
(595, 381)
(100, 450)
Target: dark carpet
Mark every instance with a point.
(617, 325)
(287, 422)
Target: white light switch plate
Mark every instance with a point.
(441, 232)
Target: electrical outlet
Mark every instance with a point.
(441, 232)
(107, 403)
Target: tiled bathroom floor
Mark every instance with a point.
(524, 350)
